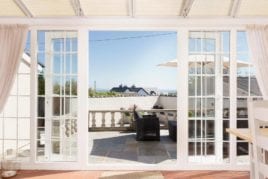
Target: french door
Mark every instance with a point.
(208, 92)
(57, 96)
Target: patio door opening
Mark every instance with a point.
(127, 70)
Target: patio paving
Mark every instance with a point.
(121, 147)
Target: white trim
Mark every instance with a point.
(233, 94)
(182, 96)
(82, 107)
(33, 97)
(134, 23)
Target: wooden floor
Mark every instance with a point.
(166, 174)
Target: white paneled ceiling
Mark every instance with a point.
(105, 7)
(9, 8)
(158, 7)
(210, 8)
(49, 8)
(134, 8)
(253, 8)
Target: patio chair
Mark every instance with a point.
(172, 129)
(147, 127)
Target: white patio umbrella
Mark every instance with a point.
(200, 58)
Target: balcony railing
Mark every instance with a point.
(123, 120)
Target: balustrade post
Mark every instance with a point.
(122, 119)
(112, 120)
(166, 119)
(93, 119)
(103, 119)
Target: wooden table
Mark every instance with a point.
(246, 135)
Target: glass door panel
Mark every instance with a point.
(208, 69)
(57, 96)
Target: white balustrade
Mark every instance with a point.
(122, 120)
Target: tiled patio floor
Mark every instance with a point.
(116, 147)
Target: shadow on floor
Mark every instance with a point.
(123, 147)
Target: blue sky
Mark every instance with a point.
(133, 60)
(131, 57)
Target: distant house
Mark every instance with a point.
(135, 91)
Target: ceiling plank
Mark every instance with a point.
(234, 7)
(186, 7)
(23, 8)
(77, 7)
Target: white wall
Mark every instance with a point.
(115, 103)
(167, 102)
(143, 102)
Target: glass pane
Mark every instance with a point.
(57, 103)
(242, 45)
(11, 107)
(254, 87)
(55, 129)
(242, 123)
(24, 84)
(191, 87)
(41, 85)
(74, 86)
(208, 86)
(24, 128)
(24, 150)
(58, 44)
(10, 125)
(225, 42)
(191, 130)
(209, 107)
(57, 87)
(242, 110)
(74, 64)
(226, 108)
(225, 134)
(24, 107)
(10, 148)
(210, 129)
(68, 60)
(57, 63)
(41, 107)
(242, 85)
(209, 67)
(191, 112)
(226, 86)
(40, 122)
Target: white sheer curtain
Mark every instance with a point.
(258, 44)
(12, 42)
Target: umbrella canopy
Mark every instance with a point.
(209, 59)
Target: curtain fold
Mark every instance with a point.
(12, 42)
(258, 45)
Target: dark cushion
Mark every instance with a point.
(172, 129)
